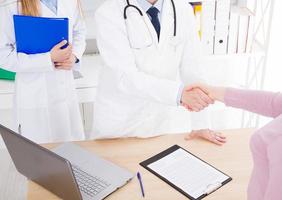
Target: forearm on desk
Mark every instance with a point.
(261, 102)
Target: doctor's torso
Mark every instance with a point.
(161, 57)
(137, 116)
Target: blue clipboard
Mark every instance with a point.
(39, 34)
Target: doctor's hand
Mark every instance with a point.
(67, 64)
(207, 134)
(60, 55)
(195, 99)
(215, 93)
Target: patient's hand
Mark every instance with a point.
(215, 93)
(206, 134)
(195, 99)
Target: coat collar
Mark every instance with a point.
(48, 13)
(146, 5)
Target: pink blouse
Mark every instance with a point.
(265, 103)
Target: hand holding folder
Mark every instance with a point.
(39, 34)
(61, 52)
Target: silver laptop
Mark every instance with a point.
(68, 171)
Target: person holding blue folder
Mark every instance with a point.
(46, 104)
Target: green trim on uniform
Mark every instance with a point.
(7, 75)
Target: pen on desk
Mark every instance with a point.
(141, 184)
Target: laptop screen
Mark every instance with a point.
(41, 165)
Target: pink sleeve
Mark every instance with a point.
(264, 103)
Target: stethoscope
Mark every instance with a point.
(141, 14)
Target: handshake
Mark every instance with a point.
(197, 97)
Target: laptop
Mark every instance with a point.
(68, 171)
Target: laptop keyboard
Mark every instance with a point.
(87, 183)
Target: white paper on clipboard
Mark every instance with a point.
(189, 173)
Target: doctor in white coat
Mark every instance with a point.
(151, 52)
(46, 104)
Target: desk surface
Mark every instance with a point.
(234, 158)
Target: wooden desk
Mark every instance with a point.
(234, 158)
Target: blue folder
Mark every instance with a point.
(39, 34)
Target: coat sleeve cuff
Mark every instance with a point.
(35, 63)
(177, 87)
(78, 53)
(179, 95)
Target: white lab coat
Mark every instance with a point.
(138, 88)
(46, 105)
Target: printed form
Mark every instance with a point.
(188, 173)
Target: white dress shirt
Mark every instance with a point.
(146, 5)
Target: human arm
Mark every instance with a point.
(78, 41)
(79, 33)
(261, 102)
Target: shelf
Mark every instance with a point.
(258, 51)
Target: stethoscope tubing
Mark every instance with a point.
(140, 12)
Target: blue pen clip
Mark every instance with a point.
(141, 184)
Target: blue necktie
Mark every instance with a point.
(51, 4)
(153, 12)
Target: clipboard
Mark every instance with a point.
(179, 151)
(39, 34)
